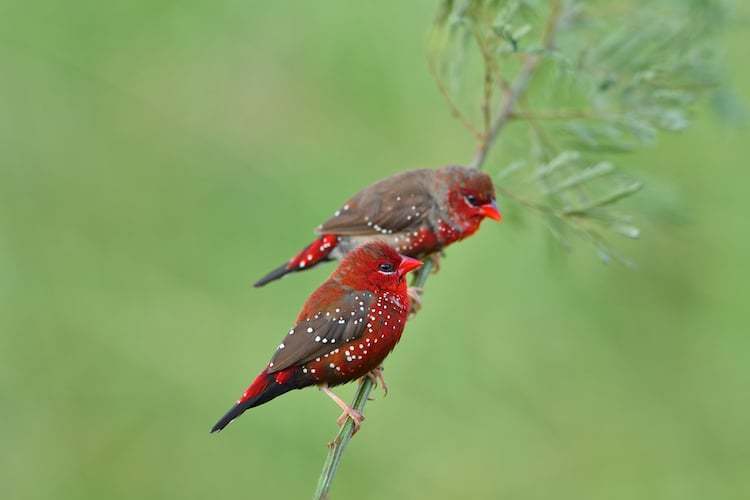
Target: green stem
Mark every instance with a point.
(518, 87)
(338, 445)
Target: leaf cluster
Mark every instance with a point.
(609, 79)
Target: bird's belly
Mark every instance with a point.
(413, 243)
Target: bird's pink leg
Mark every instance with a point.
(376, 376)
(349, 412)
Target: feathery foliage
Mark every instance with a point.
(609, 78)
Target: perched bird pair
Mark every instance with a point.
(355, 318)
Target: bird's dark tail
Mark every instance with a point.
(264, 388)
(277, 273)
(312, 255)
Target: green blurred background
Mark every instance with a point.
(158, 157)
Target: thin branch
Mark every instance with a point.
(487, 96)
(493, 66)
(544, 209)
(516, 91)
(553, 24)
(491, 74)
(538, 131)
(519, 86)
(609, 199)
(555, 114)
(455, 110)
(338, 445)
(503, 117)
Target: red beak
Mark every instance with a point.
(490, 210)
(408, 265)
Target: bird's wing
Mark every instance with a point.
(328, 325)
(400, 202)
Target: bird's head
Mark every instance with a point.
(469, 194)
(376, 266)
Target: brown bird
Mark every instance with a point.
(345, 330)
(417, 212)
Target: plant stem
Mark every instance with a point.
(558, 114)
(518, 87)
(455, 110)
(506, 111)
(337, 446)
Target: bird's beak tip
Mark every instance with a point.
(408, 264)
(490, 210)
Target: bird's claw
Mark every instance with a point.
(435, 258)
(415, 298)
(349, 412)
(356, 417)
(376, 376)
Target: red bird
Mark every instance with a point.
(345, 330)
(418, 212)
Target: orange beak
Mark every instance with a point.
(490, 210)
(408, 265)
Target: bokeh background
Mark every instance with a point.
(157, 157)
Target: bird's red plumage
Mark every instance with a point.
(345, 329)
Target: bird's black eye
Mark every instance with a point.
(386, 267)
(472, 200)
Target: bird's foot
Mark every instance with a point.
(435, 258)
(355, 415)
(376, 376)
(349, 412)
(415, 298)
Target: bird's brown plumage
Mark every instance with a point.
(333, 316)
(417, 212)
(397, 203)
